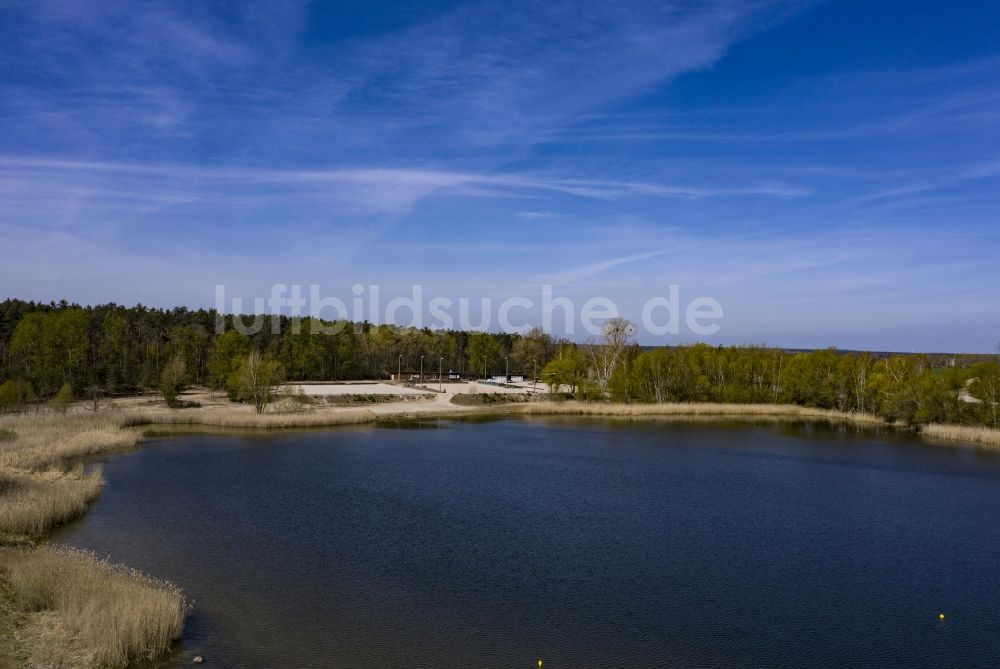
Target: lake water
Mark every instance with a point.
(587, 544)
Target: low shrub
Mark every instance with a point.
(476, 399)
(175, 403)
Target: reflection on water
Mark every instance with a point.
(585, 543)
(410, 424)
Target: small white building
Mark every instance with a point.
(501, 378)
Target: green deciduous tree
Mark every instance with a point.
(567, 371)
(529, 352)
(51, 348)
(482, 350)
(230, 350)
(256, 380)
(63, 399)
(813, 379)
(173, 378)
(15, 394)
(896, 381)
(985, 387)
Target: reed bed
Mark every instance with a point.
(34, 503)
(983, 436)
(45, 441)
(247, 420)
(958, 434)
(679, 409)
(41, 482)
(118, 616)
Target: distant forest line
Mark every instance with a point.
(111, 350)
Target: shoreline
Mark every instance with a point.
(42, 465)
(956, 435)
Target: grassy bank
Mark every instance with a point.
(41, 482)
(105, 615)
(249, 420)
(962, 435)
(35, 503)
(63, 608)
(669, 411)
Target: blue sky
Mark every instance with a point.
(827, 171)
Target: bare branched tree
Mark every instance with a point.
(616, 336)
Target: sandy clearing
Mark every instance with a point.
(381, 388)
(441, 401)
(376, 388)
(412, 399)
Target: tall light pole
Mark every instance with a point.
(421, 370)
(440, 380)
(399, 368)
(484, 368)
(534, 374)
(506, 370)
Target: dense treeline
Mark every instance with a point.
(62, 350)
(111, 349)
(905, 388)
(898, 387)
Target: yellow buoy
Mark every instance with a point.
(539, 664)
(940, 616)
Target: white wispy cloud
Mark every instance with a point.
(482, 74)
(186, 143)
(578, 274)
(33, 180)
(940, 180)
(491, 72)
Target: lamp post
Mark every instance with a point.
(440, 380)
(421, 370)
(534, 375)
(484, 369)
(399, 368)
(506, 370)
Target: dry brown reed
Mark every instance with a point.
(966, 434)
(958, 434)
(34, 503)
(41, 482)
(689, 409)
(116, 614)
(248, 420)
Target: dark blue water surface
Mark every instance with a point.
(585, 544)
